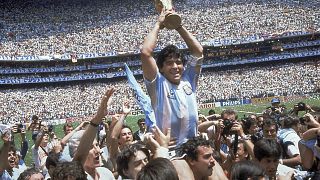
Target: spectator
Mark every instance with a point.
(138, 135)
(158, 168)
(31, 174)
(198, 161)
(131, 160)
(289, 139)
(246, 170)
(268, 152)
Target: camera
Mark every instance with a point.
(302, 120)
(301, 106)
(19, 127)
(50, 128)
(227, 126)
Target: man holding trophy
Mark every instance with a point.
(171, 80)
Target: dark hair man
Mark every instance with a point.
(268, 152)
(131, 160)
(198, 162)
(170, 84)
(270, 129)
(160, 169)
(138, 135)
(289, 139)
(31, 174)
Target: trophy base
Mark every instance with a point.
(172, 21)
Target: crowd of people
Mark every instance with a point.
(249, 82)
(275, 145)
(70, 101)
(173, 141)
(102, 26)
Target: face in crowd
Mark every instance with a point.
(270, 164)
(136, 163)
(13, 159)
(270, 131)
(204, 164)
(241, 154)
(142, 126)
(93, 159)
(125, 136)
(68, 130)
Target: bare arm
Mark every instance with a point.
(192, 43)
(307, 154)
(118, 121)
(90, 132)
(291, 162)
(311, 133)
(39, 139)
(66, 138)
(4, 152)
(183, 169)
(149, 66)
(203, 127)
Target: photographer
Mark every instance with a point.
(217, 128)
(41, 149)
(35, 126)
(289, 137)
(275, 111)
(11, 163)
(241, 147)
(20, 129)
(301, 106)
(251, 129)
(309, 145)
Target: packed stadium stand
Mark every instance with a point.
(56, 64)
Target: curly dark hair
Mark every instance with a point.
(267, 148)
(26, 175)
(64, 170)
(190, 147)
(126, 154)
(160, 169)
(170, 50)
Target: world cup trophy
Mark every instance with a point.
(172, 20)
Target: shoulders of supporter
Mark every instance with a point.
(104, 173)
(5, 175)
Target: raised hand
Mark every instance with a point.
(102, 110)
(126, 108)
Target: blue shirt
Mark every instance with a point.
(175, 106)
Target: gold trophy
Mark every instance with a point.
(172, 20)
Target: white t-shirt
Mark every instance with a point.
(104, 174)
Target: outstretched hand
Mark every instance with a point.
(126, 108)
(6, 136)
(310, 120)
(157, 138)
(105, 101)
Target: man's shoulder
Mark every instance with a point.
(183, 169)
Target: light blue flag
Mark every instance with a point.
(142, 99)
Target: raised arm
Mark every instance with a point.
(4, 152)
(66, 138)
(149, 65)
(91, 131)
(192, 43)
